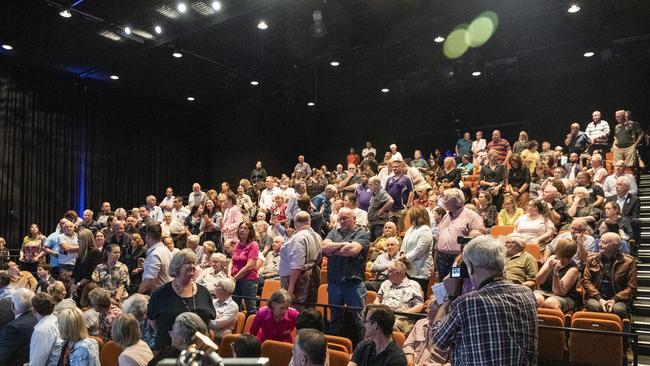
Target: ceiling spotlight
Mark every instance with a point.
(216, 5)
(157, 29)
(385, 90)
(311, 104)
(476, 73)
(127, 30)
(318, 29)
(588, 54)
(262, 25)
(335, 63)
(181, 7)
(177, 54)
(114, 77)
(255, 83)
(439, 39)
(65, 13)
(191, 99)
(573, 9)
(7, 47)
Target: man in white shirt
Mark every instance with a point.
(266, 197)
(46, 343)
(156, 264)
(598, 132)
(368, 149)
(619, 171)
(167, 203)
(68, 247)
(155, 212)
(179, 214)
(197, 196)
(396, 155)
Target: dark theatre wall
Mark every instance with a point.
(53, 131)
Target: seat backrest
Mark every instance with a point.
(547, 311)
(338, 358)
(249, 324)
(270, 286)
(239, 324)
(337, 347)
(346, 342)
(110, 354)
(595, 349)
(399, 337)
(371, 297)
(533, 249)
(100, 342)
(499, 230)
(583, 314)
(323, 276)
(551, 343)
(279, 353)
(225, 348)
(322, 298)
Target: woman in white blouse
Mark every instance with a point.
(534, 225)
(478, 148)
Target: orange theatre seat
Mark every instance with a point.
(110, 354)
(399, 337)
(534, 250)
(337, 358)
(595, 349)
(239, 325)
(322, 298)
(336, 347)
(249, 324)
(370, 298)
(345, 342)
(225, 348)
(100, 342)
(279, 353)
(551, 343)
(501, 230)
(270, 286)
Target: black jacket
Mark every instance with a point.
(631, 208)
(15, 338)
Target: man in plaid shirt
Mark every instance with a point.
(494, 325)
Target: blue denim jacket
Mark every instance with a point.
(85, 353)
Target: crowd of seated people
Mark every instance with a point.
(149, 277)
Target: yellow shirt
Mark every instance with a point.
(505, 219)
(530, 159)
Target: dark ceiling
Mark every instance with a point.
(379, 43)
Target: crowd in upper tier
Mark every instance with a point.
(378, 231)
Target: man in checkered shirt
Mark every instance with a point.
(493, 325)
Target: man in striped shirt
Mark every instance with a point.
(501, 146)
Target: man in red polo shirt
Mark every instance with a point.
(501, 146)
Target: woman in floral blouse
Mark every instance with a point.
(31, 252)
(111, 274)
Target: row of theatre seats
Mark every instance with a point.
(577, 347)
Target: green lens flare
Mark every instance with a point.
(455, 45)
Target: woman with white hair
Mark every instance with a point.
(180, 295)
(582, 208)
(136, 305)
(226, 308)
(126, 333)
(181, 334)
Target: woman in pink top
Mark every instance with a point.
(231, 218)
(244, 265)
(276, 320)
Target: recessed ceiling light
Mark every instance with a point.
(168, 11)
(177, 54)
(157, 29)
(439, 39)
(65, 13)
(573, 9)
(114, 77)
(191, 99)
(181, 7)
(255, 83)
(143, 34)
(385, 90)
(127, 30)
(588, 54)
(335, 63)
(262, 25)
(216, 5)
(476, 73)
(110, 35)
(311, 104)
